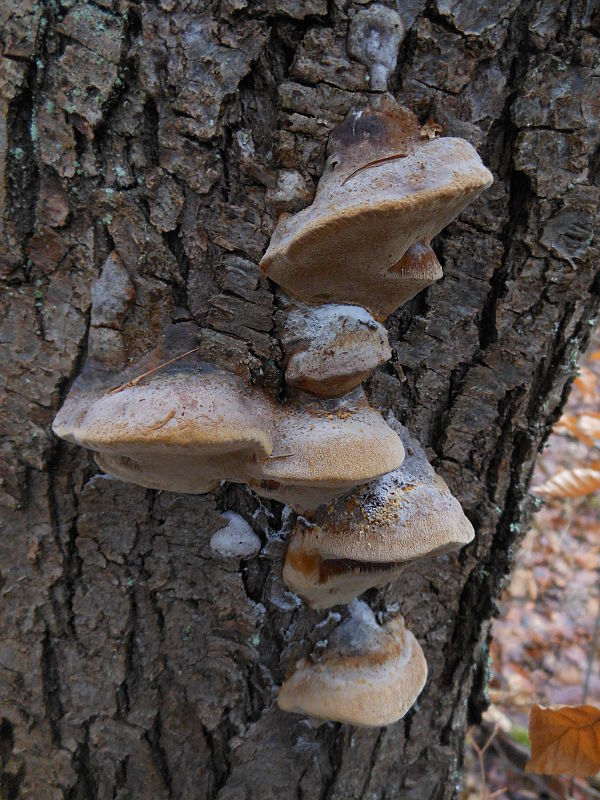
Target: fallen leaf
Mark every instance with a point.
(577, 482)
(570, 424)
(595, 356)
(565, 740)
(589, 425)
(586, 383)
(586, 561)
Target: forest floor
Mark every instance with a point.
(545, 645)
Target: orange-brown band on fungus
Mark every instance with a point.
(309, 564)
(419, 261)
(357, 660)
(334, 567)
(268, 485)
(306, 564)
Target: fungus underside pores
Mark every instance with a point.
(367, 499)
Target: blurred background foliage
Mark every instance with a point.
(545, 640)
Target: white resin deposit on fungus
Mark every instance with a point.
(236, 539)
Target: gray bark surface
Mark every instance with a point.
(135, 662)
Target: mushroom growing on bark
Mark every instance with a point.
(169, 421)
(364, 540)
(368, 675)
(385, 189)
(322, 449)
(331, 349)
(173, 422)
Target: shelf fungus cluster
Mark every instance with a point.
(367, 500)
(175, 423)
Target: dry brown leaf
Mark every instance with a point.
(565, 740)
(589, 425)
(577, 482)
(586, 383)
(565, 423)
(570, 424)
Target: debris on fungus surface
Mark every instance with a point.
(176, 421)
(368, 675)
(169, 421)
(366, 538)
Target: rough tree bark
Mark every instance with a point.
(134, 661)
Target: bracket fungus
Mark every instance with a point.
(368, 675)
(177, 422)
(332, 349)
(323, 449)
(173, 422)
(364, 540)
(169, 421)
(386, 188)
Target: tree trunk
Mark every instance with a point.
(135, 662)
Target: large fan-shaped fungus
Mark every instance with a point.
(385, 189)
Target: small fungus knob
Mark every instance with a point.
(374, 39)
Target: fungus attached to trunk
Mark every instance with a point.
(322, 449)
(169, 421)
(368, 675)
(174, 422)
(385, 188)
(331, 349)
(184, 431)
(373, 39)
(364, 540)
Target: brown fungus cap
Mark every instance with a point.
(173, 422)
(323, 449)
(364, 540)
(332, 348)
(385, 188)
(368, 675)
(169, 422)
